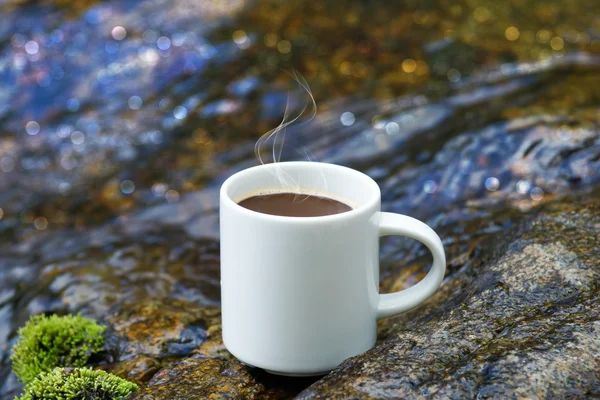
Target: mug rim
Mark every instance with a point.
(373, 200)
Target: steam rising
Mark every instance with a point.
(277, 135)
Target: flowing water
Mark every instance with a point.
(120, 119)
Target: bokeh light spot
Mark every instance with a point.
(453, 75)
(159, 189)
(64, 188)
(271, 39)
(135, 102)
(118, 33)
(392, 128)
(481, 14)
(543, 36)
(409, 65)
(536, 194)
(127, 186)
(284, 46)
(557, 43)
(163, 43)
(240, 37)
(523, 186)
(172, 196)
(40, 223)
(32, 47)
(32, 128)
(512, 33)
(180, 112)
(378, 122)
(347, 118)
(178, 39)
(492, 184)
(63, 131)
(77, 137)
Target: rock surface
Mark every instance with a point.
(522, 321)
(517, 318)
(161, 353)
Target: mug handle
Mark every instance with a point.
(397, 224)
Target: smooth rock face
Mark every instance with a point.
(520, 322)
(199, 368)
(202, 379)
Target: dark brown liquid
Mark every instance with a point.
(294, 205)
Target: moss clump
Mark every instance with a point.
(48, 342)
(78, 384)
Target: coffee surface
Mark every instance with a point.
(294, 205)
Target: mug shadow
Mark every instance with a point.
(289, 385)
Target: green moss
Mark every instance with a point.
(48, 342)
(78, 384)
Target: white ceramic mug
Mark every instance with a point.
(300, 294)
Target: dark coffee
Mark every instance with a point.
(294, 205)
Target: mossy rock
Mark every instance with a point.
(48, 342)
(78, 384)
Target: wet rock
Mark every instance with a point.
(516, 317)
(138, 369)
(521, 321)
(203, 379)
(162, 327)
(144, 335)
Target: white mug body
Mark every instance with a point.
(300, 294)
